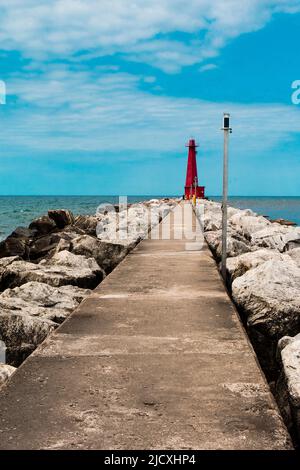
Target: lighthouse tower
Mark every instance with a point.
(191, 183)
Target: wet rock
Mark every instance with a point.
(4, 262)
(14, 247)
(5, 372)
(22, 333)
(87, 223)
(239, 265)
(24, 232)
(47, 244)
(62, 269)
(17, 243)
(108, 255)
(61, 217)
(43, 225)
(41, 300)
(289, 223)
(43, 245)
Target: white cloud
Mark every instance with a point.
(140, 30)
(207, 67)
(92, 112)
(65, 107)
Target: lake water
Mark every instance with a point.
(274, 207)
(21, 210)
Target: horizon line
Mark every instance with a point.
(140, 195)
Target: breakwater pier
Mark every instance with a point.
(154, 358)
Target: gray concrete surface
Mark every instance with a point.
(155, 358)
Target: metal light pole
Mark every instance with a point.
(227, 130)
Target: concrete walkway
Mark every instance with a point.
(155, 358)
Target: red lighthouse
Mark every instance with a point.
(191, 183)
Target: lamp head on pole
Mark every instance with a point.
(226, 122)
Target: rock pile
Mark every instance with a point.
(47, 269)
(288, 385)
(264, 277)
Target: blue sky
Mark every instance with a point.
(102, 96)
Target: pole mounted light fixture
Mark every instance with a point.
(226, 123)
(227, 130)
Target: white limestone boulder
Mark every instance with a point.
(247, 225)
(212, 215)
(41, 300)
(288, 385)
(235, 245)
(275, 236)
(294, 255)
(154, 202)
(289, 348)
(129, 226)
(62, 269)
(22, 333)
(212, 221)
(269, 296)
(239, 265)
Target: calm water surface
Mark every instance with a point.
(21, 210)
